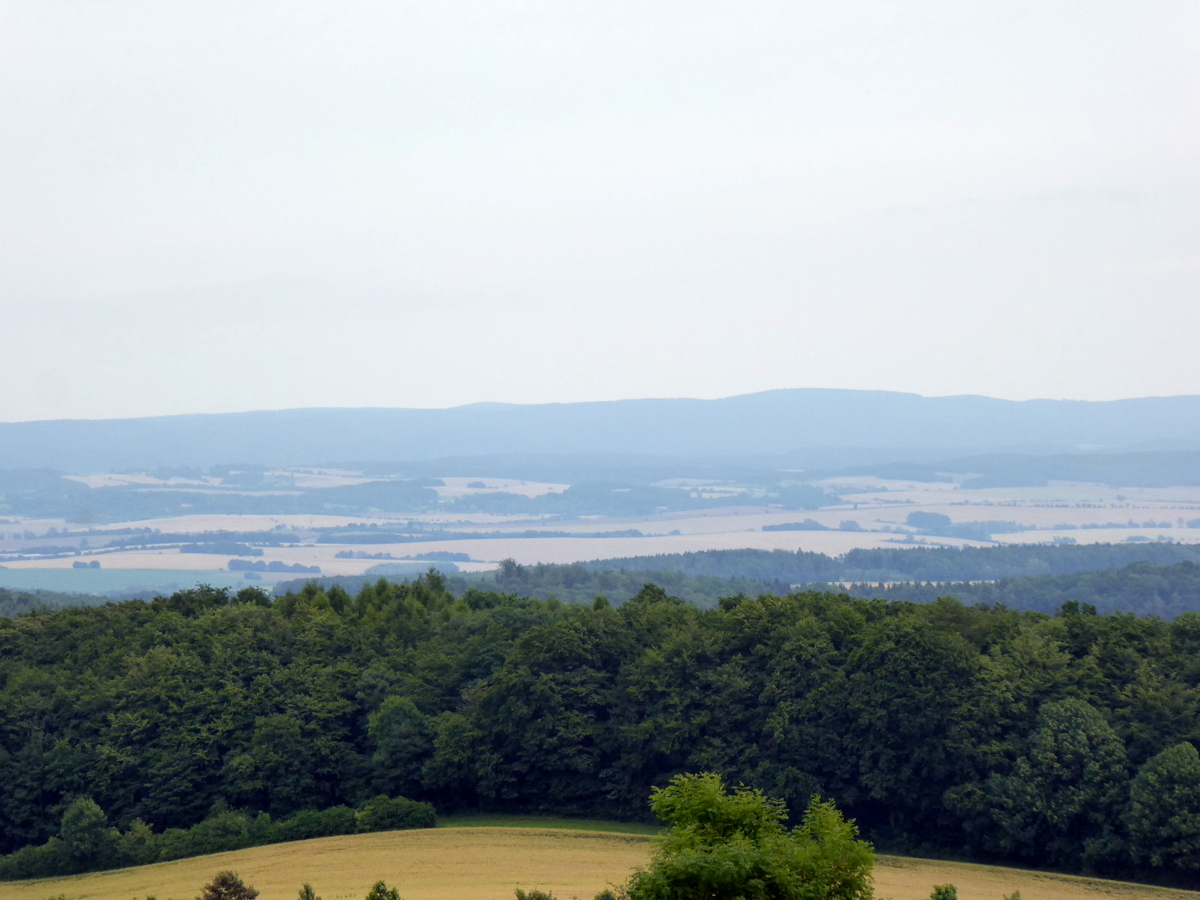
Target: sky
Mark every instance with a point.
(223, 206)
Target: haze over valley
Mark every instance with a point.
(466, 488)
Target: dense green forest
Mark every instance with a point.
(1064, 740)
(1142, 588)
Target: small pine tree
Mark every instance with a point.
(227, 886)
(307, 893)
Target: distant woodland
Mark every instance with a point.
(938, 564)
(1064, 740)
(1141, 588)
(1147, 579)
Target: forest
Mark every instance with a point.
(1064, 740)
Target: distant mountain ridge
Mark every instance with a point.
(767, 423)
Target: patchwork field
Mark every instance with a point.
(873, 513)
(464, 863)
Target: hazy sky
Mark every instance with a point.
(222, 206)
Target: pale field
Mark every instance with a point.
(489, 863)
(460, 487)
(321, 478)
(878, 505)
(116, 480)
(228, 522)
(490, 550)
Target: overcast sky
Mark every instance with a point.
(225, 206)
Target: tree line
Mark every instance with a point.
(1063, 740)
(1142, 588)
(941, 564)
(17, 602)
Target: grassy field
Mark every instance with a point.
(466, 862)
(492, 820)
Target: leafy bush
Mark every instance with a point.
(227, 886)
(944, 892)
(380, 891)
(311, 823)
(393, 813)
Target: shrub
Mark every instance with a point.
(307, 893)
(944, 892)
(225, 830)
(535, 894)
(227, 886)
(311, 823)
(380, 891)
(391, 814)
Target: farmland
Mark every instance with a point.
(863, 513)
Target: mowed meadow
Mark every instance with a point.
(488, 863)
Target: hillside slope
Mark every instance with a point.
(488, 863)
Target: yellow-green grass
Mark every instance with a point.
(496, 820)
(487, 863)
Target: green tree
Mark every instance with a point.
(403, 742)
(1164, 810)
(1063, 799)
(732, 845)
(87, 841)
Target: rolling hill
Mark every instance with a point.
(890, 425)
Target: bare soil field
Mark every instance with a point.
(489, 863)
